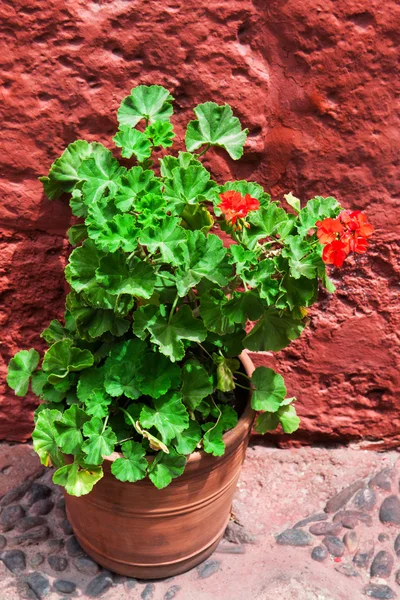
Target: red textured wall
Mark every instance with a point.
(315, 83)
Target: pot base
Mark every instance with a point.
(159, 571)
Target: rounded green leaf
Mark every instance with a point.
(165, 467)
(132, 142)
(269, 389)
(216, 125)
(76, 480)
(62, 357)
(196, 384)
(133, 466)
(101, 441)
(69, 429)
(20, 369)
(187, 441)
(44, 438)
(157, 375)
(169, 416)
(152, 103)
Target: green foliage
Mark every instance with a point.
(145, 361)
(132, 466)
(215, 125)
(20, 370)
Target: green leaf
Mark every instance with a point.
(231, 345)
(212, 312)
(226, 367)
(293, 201)
(184, 160)
(121, 232)
(101, 441)
(81, 269)
(302, 260)
(242, 306)
(136, 183)
(297, 292)
(269, 389)
(165, 467)
(133, 466)
(212, 440)
(152, 103)
(273, 331)
(20, 369)
(164, 375)
(169, 416)
(76, 202)
(229, 418)
(132, 141)
(204, 256)
(76, 234)
(216, 125)
(266, 422)
(134, 277)
(242, 259)
(100, 174)
(169, 335)
(39, 380)
(167, 238)
(122, 378)
(264, 222)
(76, 480)
(196, 384)
(68, 428)
(62, 358)
(100, 214)
(63, 174)
(93, 323)
(189, 186)
(143, 317)
(317, 209)
(196, 216)
(151, 209)
(161, 133)
(97, 403)
(187, 441)
(288, 418)
(44, 438)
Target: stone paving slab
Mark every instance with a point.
(277, 489)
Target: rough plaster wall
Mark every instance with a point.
(315, 83)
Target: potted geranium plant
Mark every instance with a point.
(147, 400)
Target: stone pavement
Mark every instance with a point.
(307, 524)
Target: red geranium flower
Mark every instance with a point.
(354, 242)
(235, 206)
(334, 253)
(348, 233)
(356, 221)
(328, 229)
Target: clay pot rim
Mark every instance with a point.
(230, 437)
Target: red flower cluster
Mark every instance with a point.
(348, 233)
(235, 206)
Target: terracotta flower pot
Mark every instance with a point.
(137, 530)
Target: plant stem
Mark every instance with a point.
(204, 350)
(125, 440)
(171, 314)
(105, 423)
(244, 387)
(204, 151)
